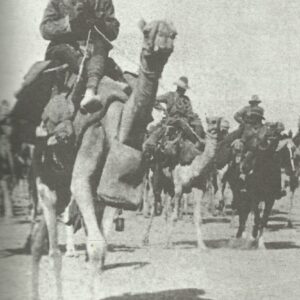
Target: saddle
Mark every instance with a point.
(178, 142)
(50, 95)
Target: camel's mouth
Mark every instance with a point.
(157, 52)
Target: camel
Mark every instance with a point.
(260, 173)
(124, 126)
(184, 179)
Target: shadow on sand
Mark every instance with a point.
(182, 294)
(211, 244)
(216, 220)
(281, 245)
(135, 264)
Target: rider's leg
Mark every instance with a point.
(95, 70)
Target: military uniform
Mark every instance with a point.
(177, 105)
(245, 115)
(65, 27)
(179, 112)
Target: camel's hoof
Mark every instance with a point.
(71, 253)
(251, 243)
(290, 224)
(261, 244)
(237, 243)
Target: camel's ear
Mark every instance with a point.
(142, 23)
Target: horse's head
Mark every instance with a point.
(158, 44)
(268, 137)
(238, 151)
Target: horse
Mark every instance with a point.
(260, 171)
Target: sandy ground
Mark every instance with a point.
(134, 272)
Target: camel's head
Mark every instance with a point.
(213, 124)
(158, 42)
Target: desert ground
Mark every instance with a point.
(135, 272)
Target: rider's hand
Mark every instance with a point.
(78, 11)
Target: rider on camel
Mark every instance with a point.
(66, 23)
(179, 111)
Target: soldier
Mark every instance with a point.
(179, 112)
(67, 22)
(250, 114)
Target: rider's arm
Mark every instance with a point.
(239, 115)
(106, 21)
(189, 108)
(54, 24)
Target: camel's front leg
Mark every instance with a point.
(48, 200)
(83, 187)
(39, 235)
(148, 227)
(70, 244)
(173, 209)
(197, 196)
(291, 195)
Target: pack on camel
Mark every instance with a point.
(260, 171)
(188, 171)
(115, 142)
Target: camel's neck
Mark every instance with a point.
(137, 113)
(201, 163)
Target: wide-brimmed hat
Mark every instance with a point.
(182, 82)
(254, 99)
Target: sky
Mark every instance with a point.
(229, 50)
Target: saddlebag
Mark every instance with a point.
(121, 183)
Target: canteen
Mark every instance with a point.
(119, 224)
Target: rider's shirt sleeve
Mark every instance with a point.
(55, 23)
(240, 115)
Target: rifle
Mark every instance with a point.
(77, 88)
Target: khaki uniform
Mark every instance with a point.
(65, 33)
(244, 115)
(179, 113)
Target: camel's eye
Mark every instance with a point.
(173, 36)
